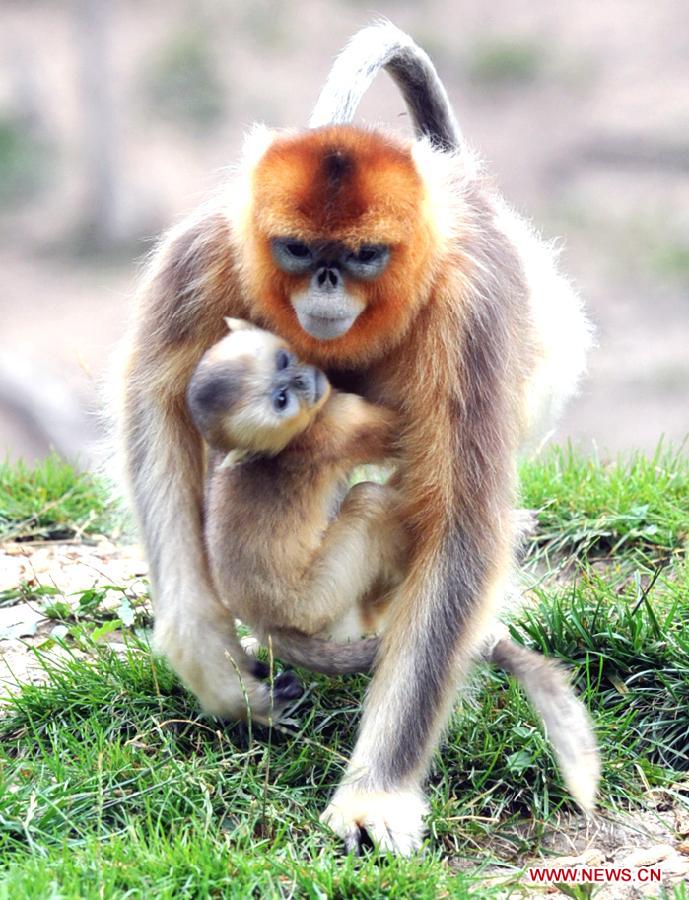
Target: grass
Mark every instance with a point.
(51, 501)
(587, 509)
(112, 785)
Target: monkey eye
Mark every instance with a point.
(297, 249)
(281, 360)
(367, 254)
(368, 261)
(281, 399)
(294, 257)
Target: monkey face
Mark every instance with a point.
(250, 392)
(336, 242)
(326, 309)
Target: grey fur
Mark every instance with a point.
(383, 46)
(326, 657)
(566, 721)
(212, 392)
(564, 716)
(482, 448)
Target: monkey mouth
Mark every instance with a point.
(325, 328)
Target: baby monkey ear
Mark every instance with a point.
(238, 324)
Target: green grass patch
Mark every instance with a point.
(51, 500)
(634, 635)
(112, 784)
(587, 508)
(111, 777)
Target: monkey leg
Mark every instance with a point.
(419, 664)
(207, 656)
(192, 628)
(361, 550)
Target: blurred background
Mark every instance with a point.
(118, 117)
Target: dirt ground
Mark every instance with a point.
(582, 111)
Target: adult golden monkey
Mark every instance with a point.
(300, 556)
(394, 266)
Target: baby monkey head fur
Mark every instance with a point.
(251, 394)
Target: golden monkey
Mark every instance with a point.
(290, 547)
(295, 554)
(392, 264)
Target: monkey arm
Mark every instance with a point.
(361, 553)
(351, 431)
(179, 315)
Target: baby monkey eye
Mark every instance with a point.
(281, 360)
(280, 399)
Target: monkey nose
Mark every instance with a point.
(327, 278)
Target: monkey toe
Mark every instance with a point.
(353, 840)
(259, 669)
(390, 821)
(287, 686)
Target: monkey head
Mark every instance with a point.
(250, 393)
(336, 241)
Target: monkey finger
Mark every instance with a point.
(259, 669)
(287, 686)
(269, 701)
(392, 840)
(392, 820)
(352, 841)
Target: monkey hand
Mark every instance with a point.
(206, 655)
(393, 820)
(268, 707)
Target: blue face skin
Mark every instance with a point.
(298, 258)
(294, 382)
(326, 310)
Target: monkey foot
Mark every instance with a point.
(393, 820)
(286, 688)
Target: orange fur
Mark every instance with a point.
(409, 346)
(377, 200)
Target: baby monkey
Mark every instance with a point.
(290, 547)
(304, 560)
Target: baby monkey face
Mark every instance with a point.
(250, 392)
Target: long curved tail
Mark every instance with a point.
(567, 723)
(544, 681)
(383, 46)
(326, 657)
